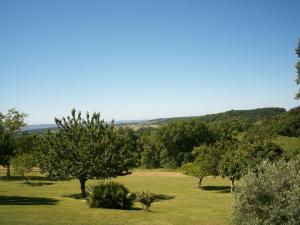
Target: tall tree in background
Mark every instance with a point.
(6, 148)
(298, 69)
(10, 126)
(83, 148)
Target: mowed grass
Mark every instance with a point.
(47, 202)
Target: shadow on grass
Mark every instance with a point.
(18, 178)
(134, 209)
(161, 197)
(221, 189)
(39, 184)
(32, 178)
(20, 200)
(75, 196)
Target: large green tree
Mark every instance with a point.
(6, 148)
(10, 127)
(150, 150)
(126, 141)
(231, 162)
(256, 146)
(83, 148)
(177, 140)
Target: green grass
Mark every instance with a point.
(291, 145)
(47, 202)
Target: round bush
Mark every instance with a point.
(110, 195)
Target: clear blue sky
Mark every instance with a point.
(146, 59)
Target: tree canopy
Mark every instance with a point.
(10, 126)
(84, 148)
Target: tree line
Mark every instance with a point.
(86, 147)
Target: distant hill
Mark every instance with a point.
(252, 115)
(40, 128)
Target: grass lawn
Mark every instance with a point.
(291, 145)
(48, 202)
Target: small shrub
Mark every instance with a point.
(109, 194)
(146, 198)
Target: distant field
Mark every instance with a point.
(136, 127)
(291, 145)
(48, 202)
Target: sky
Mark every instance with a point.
(146, 59)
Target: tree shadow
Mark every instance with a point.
(19, 178)
(22, 200)
(134, 209)
(75, 196)
(39, 184)
(33, 178)
(221, 189)
(161, 197)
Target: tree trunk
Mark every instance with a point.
(200, 181)
(82, 186)
(8, 170)
(27, 181)
(232, 188)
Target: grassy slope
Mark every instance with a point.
(187, 204)
(291, 145)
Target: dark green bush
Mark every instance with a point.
(109, 194)
(146, 198)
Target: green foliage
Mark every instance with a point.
(13, 121)
(226, 130)
(23, 164)
(246, 117)
(287, 124)
(10, 126)
(270, 196)
(6, 146)
(126, 142)
(232, 157)
(231, 161)
(150, 156)
(146, 199)
(257, 146)
(194, 169)
(84, 149)
(171, 145)
(109, 194)
(240, 156)
(25, 143)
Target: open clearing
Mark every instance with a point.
(51, 202)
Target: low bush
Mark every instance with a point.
(146, 198)
(271, 196)
(109, 194)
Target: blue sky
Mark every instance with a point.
(146, 59)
